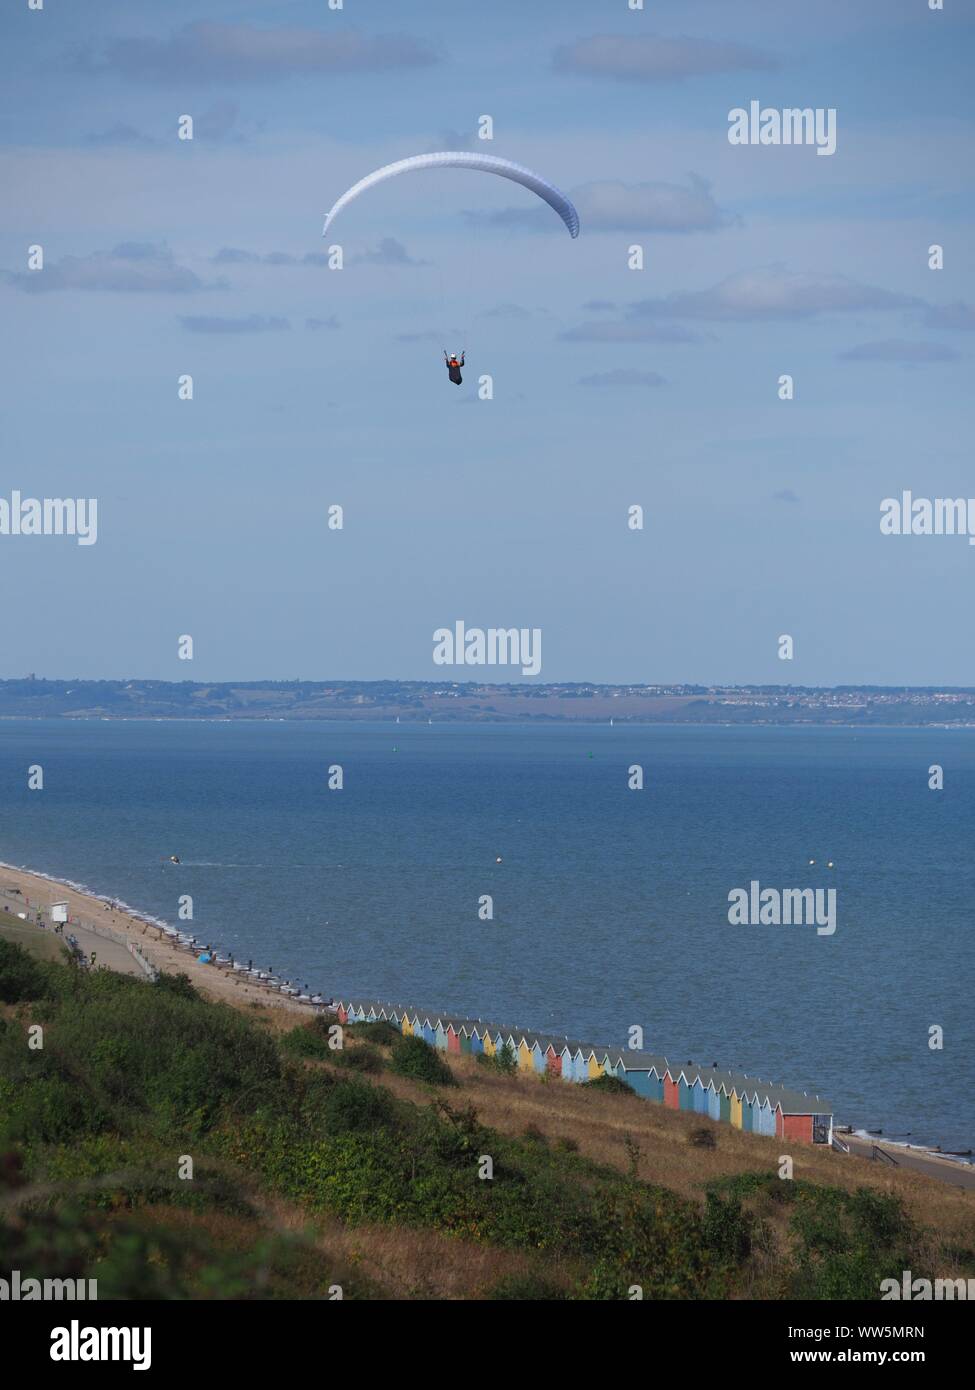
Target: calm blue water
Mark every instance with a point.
(610, 905)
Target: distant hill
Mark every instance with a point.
(570, 702)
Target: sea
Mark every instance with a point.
(513, 873)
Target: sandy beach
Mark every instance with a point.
(21, 890)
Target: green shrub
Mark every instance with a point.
(365, 1059)
(612, 1085)
(353, 1107)
(304, 1042)
(180, 985)
(381, 1033)
(21, 976)
(504, 1060)
(727, 1230)
(417, 1059)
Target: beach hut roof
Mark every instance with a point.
(640, 1061)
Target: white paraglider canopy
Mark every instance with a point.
(459, 159)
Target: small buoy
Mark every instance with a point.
(174, 859)
(812, 861)
(498, 859)
(829, 863)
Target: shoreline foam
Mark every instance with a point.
(162, 948)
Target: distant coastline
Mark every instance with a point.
(479, 702)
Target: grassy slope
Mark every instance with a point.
(351, 1173)
(41, 944)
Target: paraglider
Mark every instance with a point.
(459, 159)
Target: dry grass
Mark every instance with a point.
(600, 1125)
(413, 1263)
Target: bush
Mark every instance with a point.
(353, 1107)
(611, 1085)
(505, 1061)
(180, 1059)
(21, 976)
(727, 1230)
(181, 985)
(363, 1058)
(417, 1059)
(702, 1138)
(381, 1033)
(304, 1042)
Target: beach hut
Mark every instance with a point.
(594, 1067)
(523, 1049)
(565, 1057)
(725, 1100)
(641, 1071)
(452, 1033)
(428, 1030)
(471, 1035)
(440, 1035)
(685, 1099)
(342, 1011)
(671, 1091)
(577, 1068)
(763, 1118)
(747, 1110)
(611, 1062)
(699, 1095)
(803, 1117)
(735, 1115)
(487, 1040)
(538, 1054)
(406, 1025)
(553, 1059)
(714, 1099)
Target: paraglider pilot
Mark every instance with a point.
(454, 364)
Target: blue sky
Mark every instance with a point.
(611, 387)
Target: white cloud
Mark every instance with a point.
(238, 52)
(648, 58)
(774, 293)
(896, 350)
(131, 268)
